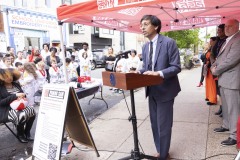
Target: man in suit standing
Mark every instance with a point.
(227, 68)
(160, 58)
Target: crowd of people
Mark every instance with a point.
(221, 70)
(37, 67)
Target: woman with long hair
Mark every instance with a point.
(110, 59)
(29, 81)
(11, 90)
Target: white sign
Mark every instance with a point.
(50, 123)
(32, 22)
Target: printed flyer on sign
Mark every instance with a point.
(50, 122)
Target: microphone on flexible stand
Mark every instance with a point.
(119, 56)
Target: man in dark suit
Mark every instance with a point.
(215, 50)
(160, 58)
(227, 68)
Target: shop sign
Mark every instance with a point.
(32, 22)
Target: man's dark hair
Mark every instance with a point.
(155, 21)
(53, 49)
(47, 44)
(18, 64)
(72, 57)
(134, 51)
(84, 43)
(213, 38)
(8, 48)
(222, 26)
(7, 55)
(38, 59)
(68, 60)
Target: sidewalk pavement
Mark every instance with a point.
(192, 133)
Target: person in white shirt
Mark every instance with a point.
(20, 58)
(85, 65)
(29, 81)
(45, 51)
(121, 66)
(133, 62)
(75, 53)
(71, 71)
(85, 49)
(7, 63)
(54, 72)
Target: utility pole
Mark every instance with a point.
(206, 37)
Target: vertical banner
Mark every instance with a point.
(50, 123)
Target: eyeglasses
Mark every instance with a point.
(144, 25)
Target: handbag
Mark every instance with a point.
(19, 104)
(109, 67)
(205, 70)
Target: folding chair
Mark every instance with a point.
(5, 123)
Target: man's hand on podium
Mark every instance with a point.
(151, 73)
(131, 71)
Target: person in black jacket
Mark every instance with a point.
(11, 90)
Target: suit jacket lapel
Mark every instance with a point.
(158, 47)
(229, 43)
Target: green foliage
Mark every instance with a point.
(184, 38)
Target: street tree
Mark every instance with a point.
(185, 38)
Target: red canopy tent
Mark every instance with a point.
(124, 15)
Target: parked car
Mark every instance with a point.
(98, 58)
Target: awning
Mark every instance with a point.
(125, 15)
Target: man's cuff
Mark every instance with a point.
(161, 74)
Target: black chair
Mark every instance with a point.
(10, 129)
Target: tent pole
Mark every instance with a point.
(60, 24)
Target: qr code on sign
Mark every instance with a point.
(52, 151)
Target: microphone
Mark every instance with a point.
(123, 54)
(119, 56)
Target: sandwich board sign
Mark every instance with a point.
(59, 109)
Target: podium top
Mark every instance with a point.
(128, 81)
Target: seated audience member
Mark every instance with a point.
(20, 58)
(54, 72)
(133, 62)
(7, 61)
(41, 80)
(71, 71)
(35, 53)
(10, 90)
(52, 56)
(29, 81)
(45, 51)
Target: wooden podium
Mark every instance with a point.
(131, 81)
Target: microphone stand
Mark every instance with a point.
(115, 64)
(135, 154)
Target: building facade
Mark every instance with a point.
(26, 23)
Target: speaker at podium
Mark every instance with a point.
(131, 81)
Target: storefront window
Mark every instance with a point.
(18, 3)
(24, 3)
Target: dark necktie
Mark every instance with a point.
(150, 56)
